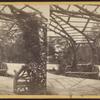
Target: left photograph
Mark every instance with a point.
(23, 49)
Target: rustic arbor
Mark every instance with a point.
(31, 79)
(74, 23)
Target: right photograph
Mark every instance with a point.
(73, 53)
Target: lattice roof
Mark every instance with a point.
(7, 17)
(75, 21)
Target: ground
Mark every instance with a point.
(6, 82)
(61, 85)
(56, 84)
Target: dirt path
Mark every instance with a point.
(62, 85)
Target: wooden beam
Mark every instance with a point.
(75, 16)
(96, 8)
(3, 8)
(80, 21)
(59, 34)
(73, 27)
(37, 11)
(74, 13)
(63, 30)
(78, 45)
(63, 11)
(85, 25)
(55, 27)
(88, 12)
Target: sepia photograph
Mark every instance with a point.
(50, 49)
(23, 43)
(73, 58)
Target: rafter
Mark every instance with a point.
(63, 11)
(88, 12)
(73, 27)
(85, 25)
(59, 33)
(63, 30)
